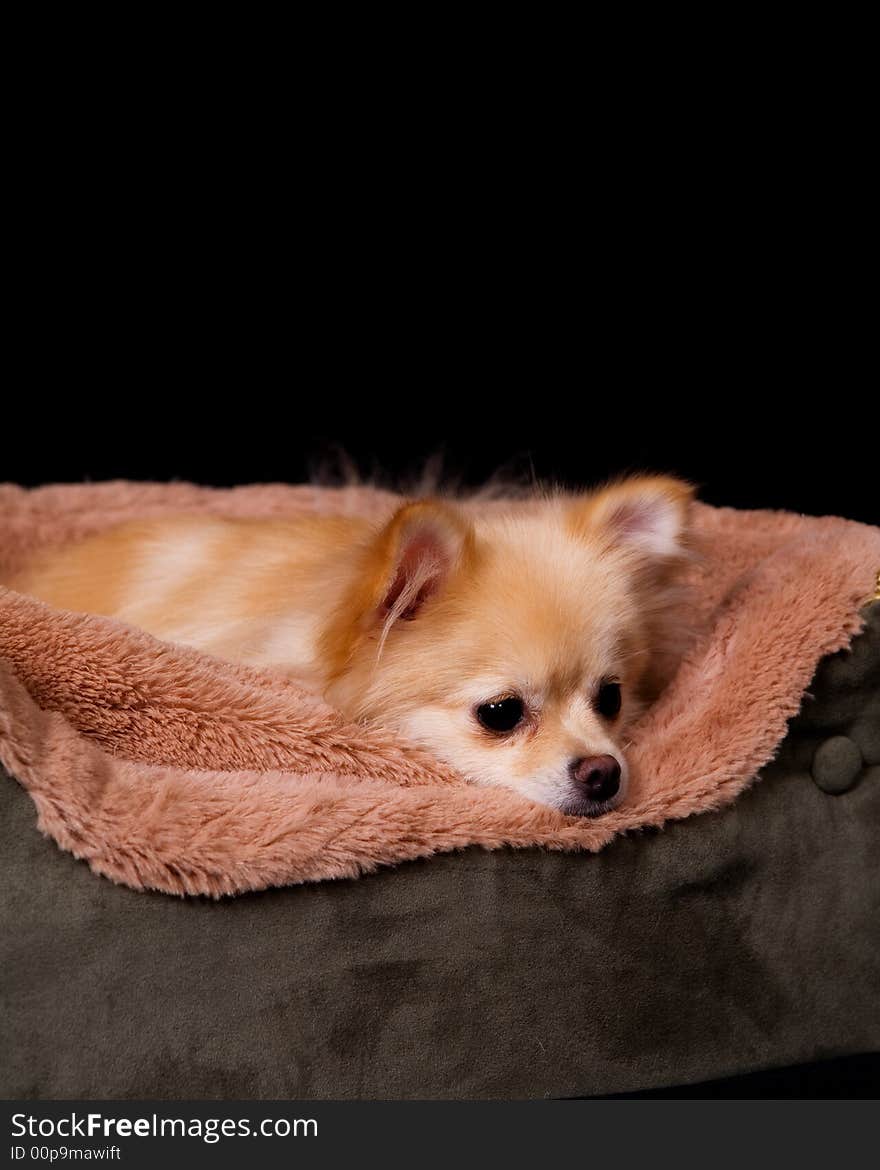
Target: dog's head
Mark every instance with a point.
(514, 642)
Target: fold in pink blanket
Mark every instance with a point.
(164, 768)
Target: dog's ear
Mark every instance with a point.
(416, 553)
(645, 514)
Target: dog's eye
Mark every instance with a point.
(502, 715)
(608, 699)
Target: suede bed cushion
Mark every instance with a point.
(739, 940)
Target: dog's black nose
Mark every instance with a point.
(597, 777)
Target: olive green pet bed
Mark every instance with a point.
(738, 940)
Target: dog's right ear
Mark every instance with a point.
(414, 556)
(399, 571)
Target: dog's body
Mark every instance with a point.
(515, 641)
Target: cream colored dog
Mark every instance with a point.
(515, 641)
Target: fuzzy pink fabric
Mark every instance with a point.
(168, 769)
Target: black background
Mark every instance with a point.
(124, 409)
(703, 318)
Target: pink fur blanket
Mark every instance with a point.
(164, 768)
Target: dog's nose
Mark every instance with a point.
(597, 777)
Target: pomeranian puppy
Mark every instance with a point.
(514, 640)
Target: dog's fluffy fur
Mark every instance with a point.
(419, 622)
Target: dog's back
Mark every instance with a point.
(247, 590)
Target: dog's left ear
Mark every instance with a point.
(646, 514)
